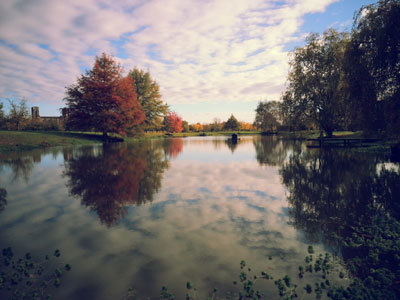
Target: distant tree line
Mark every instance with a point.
(231, 124)
(18, 117)
(344, 81)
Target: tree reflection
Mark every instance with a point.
(21, 163)
(330, 188)
(110, 178)
(173, 147)
(232, 145)
(350, 201)
(272, 151)
(3, 200)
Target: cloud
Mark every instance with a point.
(196, 50)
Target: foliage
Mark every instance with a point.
(185, 126)
(18, 114)
(103, 100)
(46, 125)
(149, 97)
(373, 67)
(27, 278)
(244, 126)
(196, 127)
(268, 115)
(231, 124)
(217, 125)
(315, 93)
(173, 122)
(341, 81)
(247, 285)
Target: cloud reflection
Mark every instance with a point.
(211, 209)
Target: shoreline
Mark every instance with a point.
(29, 140)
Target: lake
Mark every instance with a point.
(166, 211)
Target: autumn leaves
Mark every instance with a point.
(104, 100)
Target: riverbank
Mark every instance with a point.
(378, 145)
(26, 140)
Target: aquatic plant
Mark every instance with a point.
(28, 278)
(247, 285)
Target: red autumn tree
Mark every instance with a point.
(173, 122)
(103, 100)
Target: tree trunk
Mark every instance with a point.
(329, 133)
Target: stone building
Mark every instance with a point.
(58, 120)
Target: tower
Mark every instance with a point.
(35, 112)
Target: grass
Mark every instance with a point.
(25, 140)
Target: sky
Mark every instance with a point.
(211, 58)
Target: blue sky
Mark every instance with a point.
(211, 58)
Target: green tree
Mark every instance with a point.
(268, 115)
(316, 93)
(2, 116)
(373, 67)
(18, 114)
(103, 100)
(149, 97)
(185, 126)
(217, 125)
(231, 124)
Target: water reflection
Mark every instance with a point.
(110, 178)
(350, 201)
(3, 200)
(273, 150)
(21, 166)
(21, 163)
(210, 208)
(173, 147)
(330, 189)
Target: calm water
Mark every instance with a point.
(164, 212)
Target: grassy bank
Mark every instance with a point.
(25, 140)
